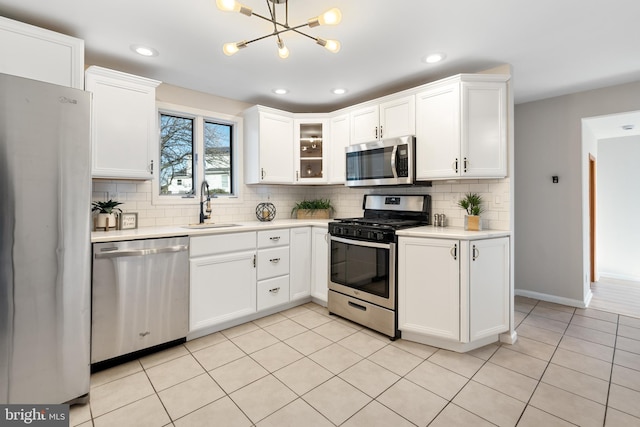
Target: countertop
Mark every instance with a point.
(451, 233)
(178, 230)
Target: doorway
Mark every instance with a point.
(611, 183)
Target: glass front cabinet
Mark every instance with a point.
(311, 150)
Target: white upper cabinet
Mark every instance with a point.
(268, 146)
(340, 129)
(388, 119)
(461, 129)
(311, 150)
(124, 124)
(39, 54)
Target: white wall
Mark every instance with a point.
(618, 205)
(551, 226)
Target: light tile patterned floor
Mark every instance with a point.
(303, 367)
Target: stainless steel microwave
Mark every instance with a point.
(384, 162)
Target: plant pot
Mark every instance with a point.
(106, 220)
(472, 222)
(313, 213)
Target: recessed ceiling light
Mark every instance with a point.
(338, 91)
(434, 57)
(144, 50)
(628, 127)
(280, 91)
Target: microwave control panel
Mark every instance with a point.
(402, 161)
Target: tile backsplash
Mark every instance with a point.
(137, 197)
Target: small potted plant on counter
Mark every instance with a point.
(107, 212)
(472, 203)
(312, 209)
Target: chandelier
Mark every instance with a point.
(330, 17)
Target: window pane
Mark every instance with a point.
(217, 157)
(176, 155)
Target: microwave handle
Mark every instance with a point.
(394, 153)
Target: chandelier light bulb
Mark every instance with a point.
(233, 6)
(330, 17)
(283, 51)
(332, 46)
(233, 48)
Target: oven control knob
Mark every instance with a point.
(379, 236)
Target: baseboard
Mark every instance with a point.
(554, 298)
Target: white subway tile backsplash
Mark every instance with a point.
(137, 197)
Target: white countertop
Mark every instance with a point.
(178, 230)
(451, 233)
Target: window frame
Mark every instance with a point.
(199, 117)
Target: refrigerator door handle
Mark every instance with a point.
(140, 252)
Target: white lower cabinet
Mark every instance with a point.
(453, 293)
(320, 264)
(236, 276)
(223, 278)
(300, 267)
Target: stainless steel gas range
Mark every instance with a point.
(363, 262)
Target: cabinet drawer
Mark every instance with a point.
(222, 243)
(272, 292)
(273, 238)
(273, 262)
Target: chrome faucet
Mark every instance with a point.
(205, 185)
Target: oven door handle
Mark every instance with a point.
(362, 243)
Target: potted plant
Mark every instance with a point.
(312, 209)
(107, 212)
(472, 203)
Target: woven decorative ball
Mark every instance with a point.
(265, 211)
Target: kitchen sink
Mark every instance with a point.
(210, 225)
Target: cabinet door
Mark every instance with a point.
(320, 264)
(438, 133)
(223, 287)
(488, 287)
(340, 128)
(300, 264)
(124, 129)
(310, 148)
(398, 117)
(276, 149)
(364, 124)
(484, 130)
(39, 54)
(429, 287)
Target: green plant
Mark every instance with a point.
(312, 205)
(472, 203)
(108, 207)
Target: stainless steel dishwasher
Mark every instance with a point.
(140, 295)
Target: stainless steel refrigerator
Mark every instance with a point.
(45, 261)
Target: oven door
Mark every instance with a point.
(364, 270)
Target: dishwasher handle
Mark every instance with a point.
(141, 252)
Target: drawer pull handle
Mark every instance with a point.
(144, 334)
(275, 260)
(274, 238)
(274, 290)
(358, 306)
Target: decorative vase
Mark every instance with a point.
(106, 220)
(265, 211)
(313, 213)
(472, 222)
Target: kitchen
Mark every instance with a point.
(138, 195)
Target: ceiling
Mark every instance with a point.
(554, 47)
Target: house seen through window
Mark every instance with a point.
(193, 149)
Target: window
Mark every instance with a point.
(196, 146)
